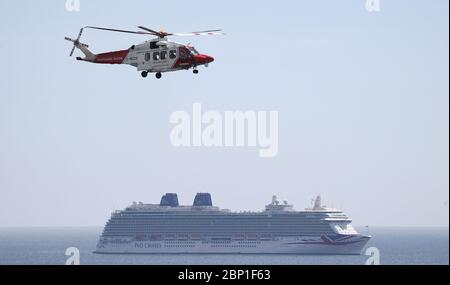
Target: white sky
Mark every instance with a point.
(362, 101)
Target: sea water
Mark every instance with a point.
(396, 245)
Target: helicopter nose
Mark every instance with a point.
(204, 59)
(209, 59)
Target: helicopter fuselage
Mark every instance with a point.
(155, 56)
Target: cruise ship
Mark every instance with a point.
(168, 227)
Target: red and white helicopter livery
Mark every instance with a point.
(156, 56)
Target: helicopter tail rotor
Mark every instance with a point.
(76, 42)
(81, 46)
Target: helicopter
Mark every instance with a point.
(157, 55)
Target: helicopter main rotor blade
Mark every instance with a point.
(201, 33)
(207, 31)
(160, 34)
(120, 31)
(152, 31)
(198, 33)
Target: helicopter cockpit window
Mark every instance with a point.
(173, 54)
(193, 50)
(184, 53)
(156, 56)
(163, 55)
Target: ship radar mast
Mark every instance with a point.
(277, 206)
(317, 203)
(317, 206)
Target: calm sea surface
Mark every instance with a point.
(48, 245)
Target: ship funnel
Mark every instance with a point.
(170, 199)
(203, 199)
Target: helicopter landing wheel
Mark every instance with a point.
(195, 71)
(144, 74)
(158, 75)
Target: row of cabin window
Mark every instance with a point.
(161, 55)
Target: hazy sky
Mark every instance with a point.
(363, 102)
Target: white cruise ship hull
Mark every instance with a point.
(350, 245)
